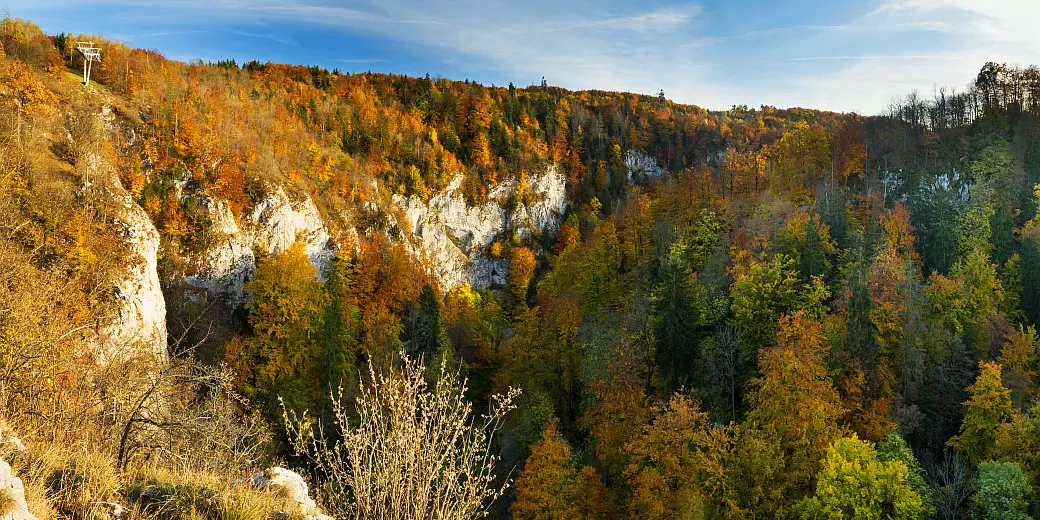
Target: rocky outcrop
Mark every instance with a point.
(140, 323)
(292, 483)
(455, 236)
(272, 227)
(551, 192)
(230, 261)
(12, 496)
(277, 224)
(642, 167)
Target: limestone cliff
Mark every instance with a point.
(455, 236)
(272, 226)
(140, 323)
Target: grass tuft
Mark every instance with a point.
(81, 485)
(8, 501)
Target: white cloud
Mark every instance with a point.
(859, 63)
(963, 35)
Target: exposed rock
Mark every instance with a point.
(272, 227)
(294, 484)
(455, 236)
(16, 444)
(640, 166)
(141, 320)
(12, 495)
(278, 224)
(115, 511)
(546, 212)
(229, 263)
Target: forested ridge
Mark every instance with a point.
(792, 314)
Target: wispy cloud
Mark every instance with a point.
(268, 36)
(714, 53)
(169, 33)
(961, 35)
(363, 60)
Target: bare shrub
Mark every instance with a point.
(189, 419)
(414, 452)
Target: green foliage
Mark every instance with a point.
(854, 483)
(936, 214)
(808, 241)
(694, 246)
(599, 268)
(976, 234)
(892, 448)
(425, 326)
(1002, 490)
(676, 317)
(993, 163)
(769, 291)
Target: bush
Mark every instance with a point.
(415, 452)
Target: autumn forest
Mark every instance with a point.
(791, 314)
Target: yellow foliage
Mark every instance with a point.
(29, 93)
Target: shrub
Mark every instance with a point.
(415, 452)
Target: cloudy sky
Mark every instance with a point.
(829, 54)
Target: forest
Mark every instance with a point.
(807, 314)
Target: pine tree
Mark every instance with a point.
(676, 316)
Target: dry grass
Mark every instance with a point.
(78, 485)
(82, 484)
(7, 502)
(160, 494)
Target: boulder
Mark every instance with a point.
(294, 484)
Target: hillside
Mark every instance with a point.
(210, 269)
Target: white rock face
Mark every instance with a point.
(294, 484)
(12, 486)
(455, 236)
(641, 166)
(141, 322)
(546, 212)
(227, 266)
(272, 227)
(278, 224)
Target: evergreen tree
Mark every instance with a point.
(426, 328)
(676, 316)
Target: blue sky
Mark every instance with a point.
(828, 54)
